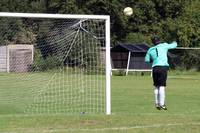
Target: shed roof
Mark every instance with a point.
(125, 47)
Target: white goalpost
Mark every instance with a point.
(55, 63)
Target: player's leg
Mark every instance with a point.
(156, 89)
(162, 82)
(162, 97)
(157, 97)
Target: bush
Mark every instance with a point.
(137, 38)
(50, 62)
(119, 73)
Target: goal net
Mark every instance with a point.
(184, 62)
(54, 63)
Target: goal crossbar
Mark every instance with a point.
(53, 16)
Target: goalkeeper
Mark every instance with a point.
(157, 55)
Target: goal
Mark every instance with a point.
(55, 63)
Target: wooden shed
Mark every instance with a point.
(129, 57)
(16, 58)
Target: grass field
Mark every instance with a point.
(132, 109)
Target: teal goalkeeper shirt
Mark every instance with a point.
(158, 54)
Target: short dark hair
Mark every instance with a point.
(155, 40)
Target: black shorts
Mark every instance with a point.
(160, 75)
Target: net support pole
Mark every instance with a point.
(128, 62)
(108, 68)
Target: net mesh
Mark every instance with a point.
(52, 65)
(184, 59)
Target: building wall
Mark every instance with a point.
(16, 58)
(20, 60)
(120, 59)
(3, 59)
(138, 63)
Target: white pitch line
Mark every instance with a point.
(177, 77)
(101, 129)
(136, 127)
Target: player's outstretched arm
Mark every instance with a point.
(172, 45)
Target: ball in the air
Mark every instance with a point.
(128, 11)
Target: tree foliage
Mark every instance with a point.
(170, 19)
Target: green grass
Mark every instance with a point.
(50, 93)
(132, 108)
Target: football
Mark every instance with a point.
(128, 11)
